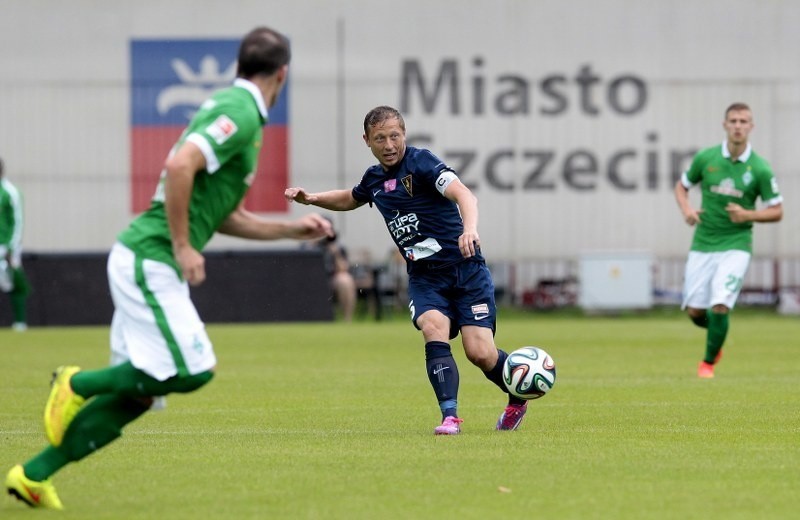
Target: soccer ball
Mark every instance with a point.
(529, 373)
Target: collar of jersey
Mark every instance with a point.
(742, 158)
(253, 90)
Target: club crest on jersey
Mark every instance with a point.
(390, 185)
(747, 178)
(407, 184)
(221, 129)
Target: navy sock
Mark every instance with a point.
(495, 375)
(443, 375)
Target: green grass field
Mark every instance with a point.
(335, 421)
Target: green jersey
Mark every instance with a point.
(723, 180)
(10, 216)
(228, 130)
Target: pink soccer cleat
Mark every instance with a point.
(705, 370)
(512, 416)
(450, 426)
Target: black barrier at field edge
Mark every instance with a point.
(240, 286)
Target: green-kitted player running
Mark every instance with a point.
(12, 275)
(158, 342)
(731, 176)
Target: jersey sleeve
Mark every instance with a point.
(694, 174)
(434, 170)
(221, 132)
(768, 188)
(361, 192)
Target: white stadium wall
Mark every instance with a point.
(570, 119)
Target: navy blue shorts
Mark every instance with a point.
(464, 292)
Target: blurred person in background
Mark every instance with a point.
(731, 176)
(159, 344)
(12, 276)
(433, 219)
(337, 266)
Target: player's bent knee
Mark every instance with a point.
(484, 358)
(191, 383)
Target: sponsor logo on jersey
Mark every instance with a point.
(221, 129)
(727, 187)
(403, 225)
(424, 249)
(390, 185)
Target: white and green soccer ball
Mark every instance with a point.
(529, 373)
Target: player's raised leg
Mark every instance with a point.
(62, 404)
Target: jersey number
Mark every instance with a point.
(734, 283)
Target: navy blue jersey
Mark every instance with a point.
(423, 223)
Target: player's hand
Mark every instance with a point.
(469, 242)
(299, 195)
(737, 214)
(692, 217)
(192, 264)
(311, 226)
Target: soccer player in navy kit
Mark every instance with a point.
(433, 218)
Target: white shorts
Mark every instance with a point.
(16, 257)
(6, 276)
(155, 325)
(6, 268)
(714, 278)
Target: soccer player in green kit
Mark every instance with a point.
(731, 176)
(158, 342)
(12, 275)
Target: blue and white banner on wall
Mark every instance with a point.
(169, 81)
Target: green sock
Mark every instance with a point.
(19, 308)
(127, 380)
(19, 296)
(46, 463)
(96, 425)
(717, 331)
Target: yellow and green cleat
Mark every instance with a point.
(62, 405)
(35, 494)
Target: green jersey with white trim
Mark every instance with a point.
(228, 130)
(10, 216)
(724, 180)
